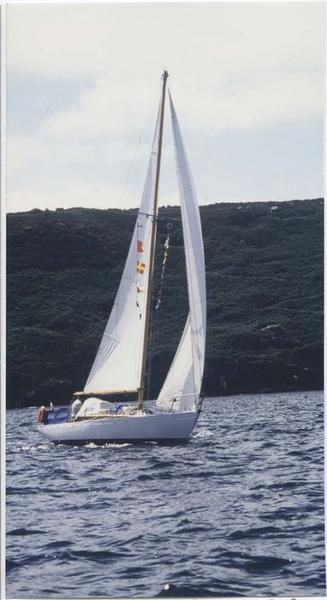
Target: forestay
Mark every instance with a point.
(117, 366)
(183, 383)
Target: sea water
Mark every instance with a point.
(237, 510)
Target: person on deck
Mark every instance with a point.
(77, 404)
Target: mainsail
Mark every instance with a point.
(182, 386)
(117, 365)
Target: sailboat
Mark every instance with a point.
(119, 367)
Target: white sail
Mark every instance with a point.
(182, 386)
(120, 361)
(117, 365)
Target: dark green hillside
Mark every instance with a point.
(264, 285)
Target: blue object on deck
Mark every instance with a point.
(57, 415)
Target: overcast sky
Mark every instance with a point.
(83, 84)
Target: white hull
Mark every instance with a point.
(143, 427)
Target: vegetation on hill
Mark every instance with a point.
(264, 265)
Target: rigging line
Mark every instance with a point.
(139, 164)
(163, 266)
(150, 348)
(134, 170)
(155, 307)
(154, 218)
(149, 358)
(139, 283)
(152, 242)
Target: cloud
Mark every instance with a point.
(218, 48)
(78, 193)
(132, 41)
(236, 68)
(104, 109)
(22, 151)
(235, 65)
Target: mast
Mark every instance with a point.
(152, 247)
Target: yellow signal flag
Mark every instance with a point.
(140, 267)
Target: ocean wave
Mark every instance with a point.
(238, 510)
